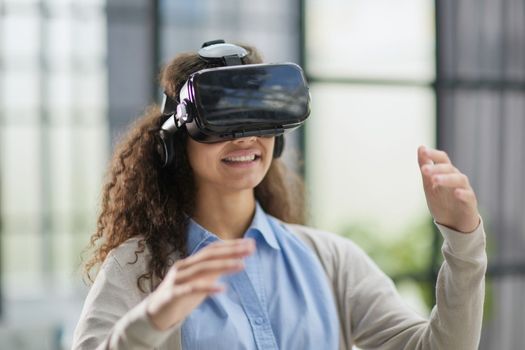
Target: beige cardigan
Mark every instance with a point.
(371, 313)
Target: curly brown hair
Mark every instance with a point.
(142, 199)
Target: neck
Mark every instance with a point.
(226, 215)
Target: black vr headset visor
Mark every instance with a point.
(224, 103)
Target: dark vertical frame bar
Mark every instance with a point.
(301, 31)
(123, 60)
(499, 85)
(503, 237)
(438, 93)
(2, 121)
(156, 29)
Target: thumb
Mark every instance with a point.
(423, 159)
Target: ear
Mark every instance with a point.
(165, 148)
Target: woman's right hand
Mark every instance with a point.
(189, 281)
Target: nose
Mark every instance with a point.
(245, 140)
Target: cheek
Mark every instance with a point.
(269, 145)
(198, 163)
(202, 158)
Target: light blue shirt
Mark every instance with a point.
(281, 300)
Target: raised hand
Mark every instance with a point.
(450, 198)
(189, 281)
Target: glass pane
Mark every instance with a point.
(21, 200)
(76, 168)
(62, 149)
(91, 144)
(19, 36)
(364, 140)
(85, 94)
(20, 171)
(363, 177)
(90, 93)
(20, 92)
(13, 3)
(60, 90)
(370, 39)
(269, 26)
(88, 46)
(60, 42)
(65, 261)
(21, 264)
(60, 2)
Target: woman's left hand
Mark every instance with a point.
(450, 198)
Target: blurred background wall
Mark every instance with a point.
(385, 77)
(481, 94)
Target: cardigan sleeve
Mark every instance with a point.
(114, 313)
(374, 316)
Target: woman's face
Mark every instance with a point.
(236, 165)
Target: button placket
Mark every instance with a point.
(262, 331)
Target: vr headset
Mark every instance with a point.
(236, 100)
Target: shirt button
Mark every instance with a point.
(259, 320)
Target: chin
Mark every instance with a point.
(244, 184)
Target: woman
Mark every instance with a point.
(203, 254)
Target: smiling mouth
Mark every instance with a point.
(241, 159)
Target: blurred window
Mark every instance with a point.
(53, 147)
(371, 68)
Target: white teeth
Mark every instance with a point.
(241, 159)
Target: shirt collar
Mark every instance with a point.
(261, 225)
(199, 237)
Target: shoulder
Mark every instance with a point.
(338, 254)
(125, 263)
(131, 252)
(130, 260)
(323, 240)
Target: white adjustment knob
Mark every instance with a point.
(182, 114)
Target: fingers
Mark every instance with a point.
(449, 195)
(236, 249)
(211, 262)
(189, 281)
(426, 155)
(208, 269)
(197, 287)
(437, 170)
(465, 195)
(454, 180)
(170, 276)
(445, 175)
(443, 168)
